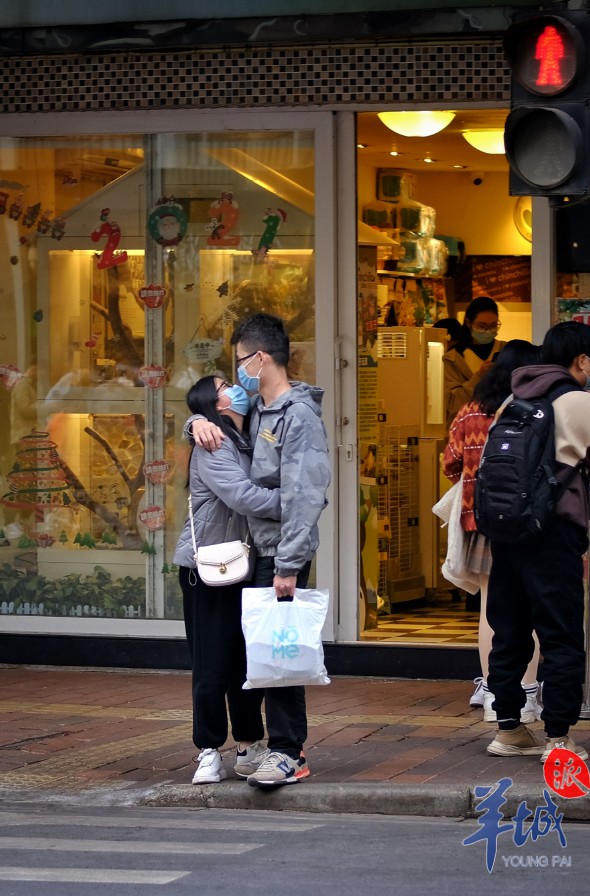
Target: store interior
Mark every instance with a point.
(446, 230)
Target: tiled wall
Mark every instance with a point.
(418, 72)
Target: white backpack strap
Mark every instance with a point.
(190, 513)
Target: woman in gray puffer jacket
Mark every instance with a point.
(221, 495)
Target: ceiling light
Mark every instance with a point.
(490, 141)
(459, 166)
(428, 160)
(361, 146)
(393, 152)
(416, 124)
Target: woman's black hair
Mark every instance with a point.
(202, 399)
(495, 387)
(481, 303)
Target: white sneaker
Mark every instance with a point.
(275, 770)
(476, 698)
(248, 760)
(489, 714)
(210, 770)
(563, 743)
(531, 711)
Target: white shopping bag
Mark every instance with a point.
(454, 568)
(284, 638)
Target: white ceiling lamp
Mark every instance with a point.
(490, 140)
(416, 124)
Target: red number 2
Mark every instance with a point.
(107, 258)
(224, 214)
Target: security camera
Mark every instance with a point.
(477, 179)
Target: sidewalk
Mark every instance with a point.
(124, 737)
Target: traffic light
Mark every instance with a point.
(547, 133)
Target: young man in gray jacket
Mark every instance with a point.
(290, 452)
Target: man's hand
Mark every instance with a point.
(284, 586)
(207, 434)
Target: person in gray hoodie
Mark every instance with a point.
(540, 585)
(220, 494)
(290, 452)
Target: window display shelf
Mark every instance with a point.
(395, 274)
(79, 399)
(104, 394)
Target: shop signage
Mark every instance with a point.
(152, 296)
(153, 376)
(152, 517)
(9, 375)
(156, 471)
(202, 350)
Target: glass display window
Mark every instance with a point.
(126, 261)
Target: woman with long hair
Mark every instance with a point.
(473, 354)
(462, 456)
(221, 495)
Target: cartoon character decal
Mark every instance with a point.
(224, 214)
(167, 222)
(273, 218)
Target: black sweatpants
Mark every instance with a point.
(212, 619)
(539, 586)
(286, 714)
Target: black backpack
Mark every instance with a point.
(515, 489)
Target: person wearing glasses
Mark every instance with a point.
(221, 494)
(472, 356)
(290, 452)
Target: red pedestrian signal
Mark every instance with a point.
(548, 128)
(550, 52)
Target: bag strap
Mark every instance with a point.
(190, 513)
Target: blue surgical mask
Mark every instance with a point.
(239, 401)
(250, 383)
(483, 337)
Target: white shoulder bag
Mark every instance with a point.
(220, 564)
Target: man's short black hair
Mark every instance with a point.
(264, 333)
(564, 342)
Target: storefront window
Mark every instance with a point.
(126, 262)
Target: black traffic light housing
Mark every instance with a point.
(547, 133)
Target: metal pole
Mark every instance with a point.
(585, 710)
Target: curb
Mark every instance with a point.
(420, 800)
(573, 809)
(359, 799)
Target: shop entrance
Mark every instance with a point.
(445, 230)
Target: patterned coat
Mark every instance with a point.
(463, 452)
